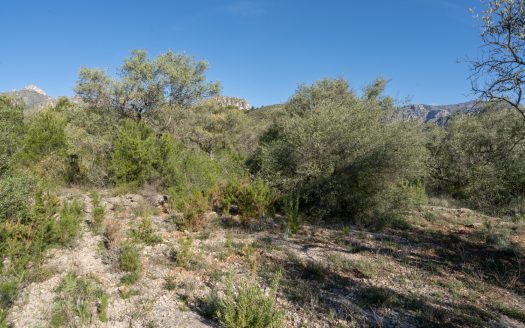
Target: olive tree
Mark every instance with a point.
(144, 84)
(342, 155)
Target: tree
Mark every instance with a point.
(499, 74)
(144, 84)
(340, 153)
(478, 159)
(183, 79)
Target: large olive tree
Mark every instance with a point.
(143, 84)
(342, 155)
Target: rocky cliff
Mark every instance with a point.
(437, 113)
(240, 103)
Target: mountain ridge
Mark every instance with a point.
(35, 98)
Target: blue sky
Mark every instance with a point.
(259, 50)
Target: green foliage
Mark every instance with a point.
(12, 129)
(249, 306)
(343, 154)
(146, 233)
(253, 197)
(170, 283)
(64, 230)
(15, 197)
(191, 177)
(170, 79)
(103, 308)
(98, 218)
(45, 135)
(416, 192)
(78, 298)
(22, 242)
(135, 154)
(214, 129)
(90, 133)
(479, 159)
(184, 254)
(8, 289)
(293, 216)
(129, 258)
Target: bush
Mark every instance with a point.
(293, 216)
(135, 154)
(12, 129)
(90, 133)
(146, 233)
(66, 227)
(15, 197)
(191, 177)
(478, 159)
(253, 197)
(79, 300)
(98, 218)
(129, 259)
(249, 306)
(8, 289)
(343, 154)
(184, 254)
(44, 148)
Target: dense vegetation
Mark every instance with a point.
(328, 154)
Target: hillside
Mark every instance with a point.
(448, 268)
(152, 202)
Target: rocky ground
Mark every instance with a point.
(443, 267)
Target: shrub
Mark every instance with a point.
(478, 159)
(79, 300)
(135, 154)
(193, 204)
(12, 129)
(44, 147)
(90, 133)
(192, 178)
(8, 289)
(129, 259)
(253, 197)
(146, 233)
(293, 216)
(23, 241)
(494, 235)
(249, 306)
(98, 218)
(184, 254)
(342, 153)
(15, 197)
(67, 226)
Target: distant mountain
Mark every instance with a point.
(35, 99)
(32, 96)
(437, 113)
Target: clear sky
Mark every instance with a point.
(259, 50)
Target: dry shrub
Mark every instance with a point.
(113, 234)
